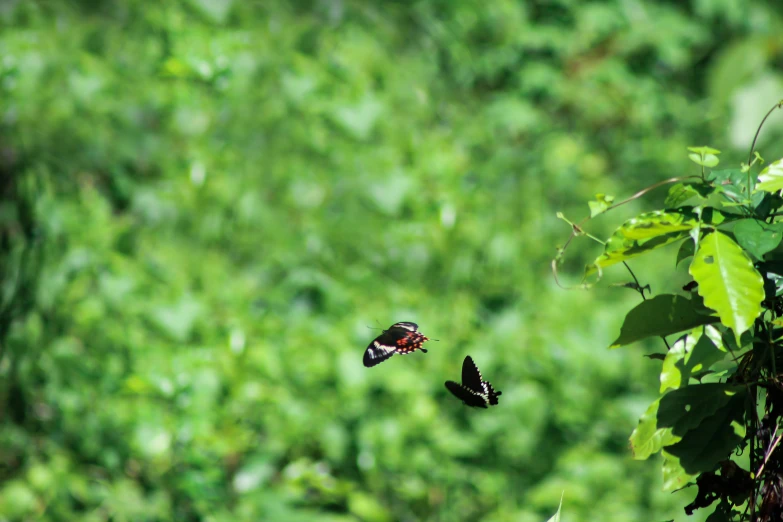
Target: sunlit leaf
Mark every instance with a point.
(648, 439)
(728, 282)
(771, 178)
(691, 354)
(703, 150)
(704, 156)
(657, 223)
(674, 477)
(600, 204)
(645, 233)
(662, 315)
(674, 364)
(556, 516)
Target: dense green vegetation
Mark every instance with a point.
(205, 204)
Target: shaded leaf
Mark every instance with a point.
(713, 440)
(686, 250)
(758, 237)
(686, 408)
(682, 192)
(728, 282)
(662, 315)
(730, 181)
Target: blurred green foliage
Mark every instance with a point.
(206, 202)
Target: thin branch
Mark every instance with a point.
(769, 452)
(778, 105)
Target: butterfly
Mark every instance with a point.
(474, 391)
(402, 338)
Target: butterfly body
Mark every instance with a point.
(474, 390)
(403, 338)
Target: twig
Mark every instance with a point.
(769, 452)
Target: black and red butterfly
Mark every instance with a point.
(402, 338)
(474, 391)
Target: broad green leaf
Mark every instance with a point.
(758, 237)
(674, 371)
(714, 438)
(674, 477)
(648, 439)
(728, 282)
(662, 315)
(705, 156)
(771, 178)
(686, 250)
(556, 516)
(727, 176)
(682, 192)
(691, 354)
(620, 249)
(657, 223)
(686, 408)
(765, 203)
(730, 181)
(600, 204)
(703, 150)
(645, 233)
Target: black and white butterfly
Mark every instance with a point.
(474, 391)
(402, 338)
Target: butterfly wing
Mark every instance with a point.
(471, 376)
(492, 394)
(413, 327)
(402, 338)
(474, 382)
(466, 395)
(380, 349)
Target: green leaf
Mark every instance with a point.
(648, 439)
(713, 440)
(686, 250)
(601, 203)
(645, 233)
(674, 476)
(730, 181)
(771, 178)
(728, 282)
(704, 156)
(686, 408)
(556, 516)
(758, 237)
(657, 223)
(693, 353)
(703, 150)
(682, 192)
(673, 372)
(662, 315)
